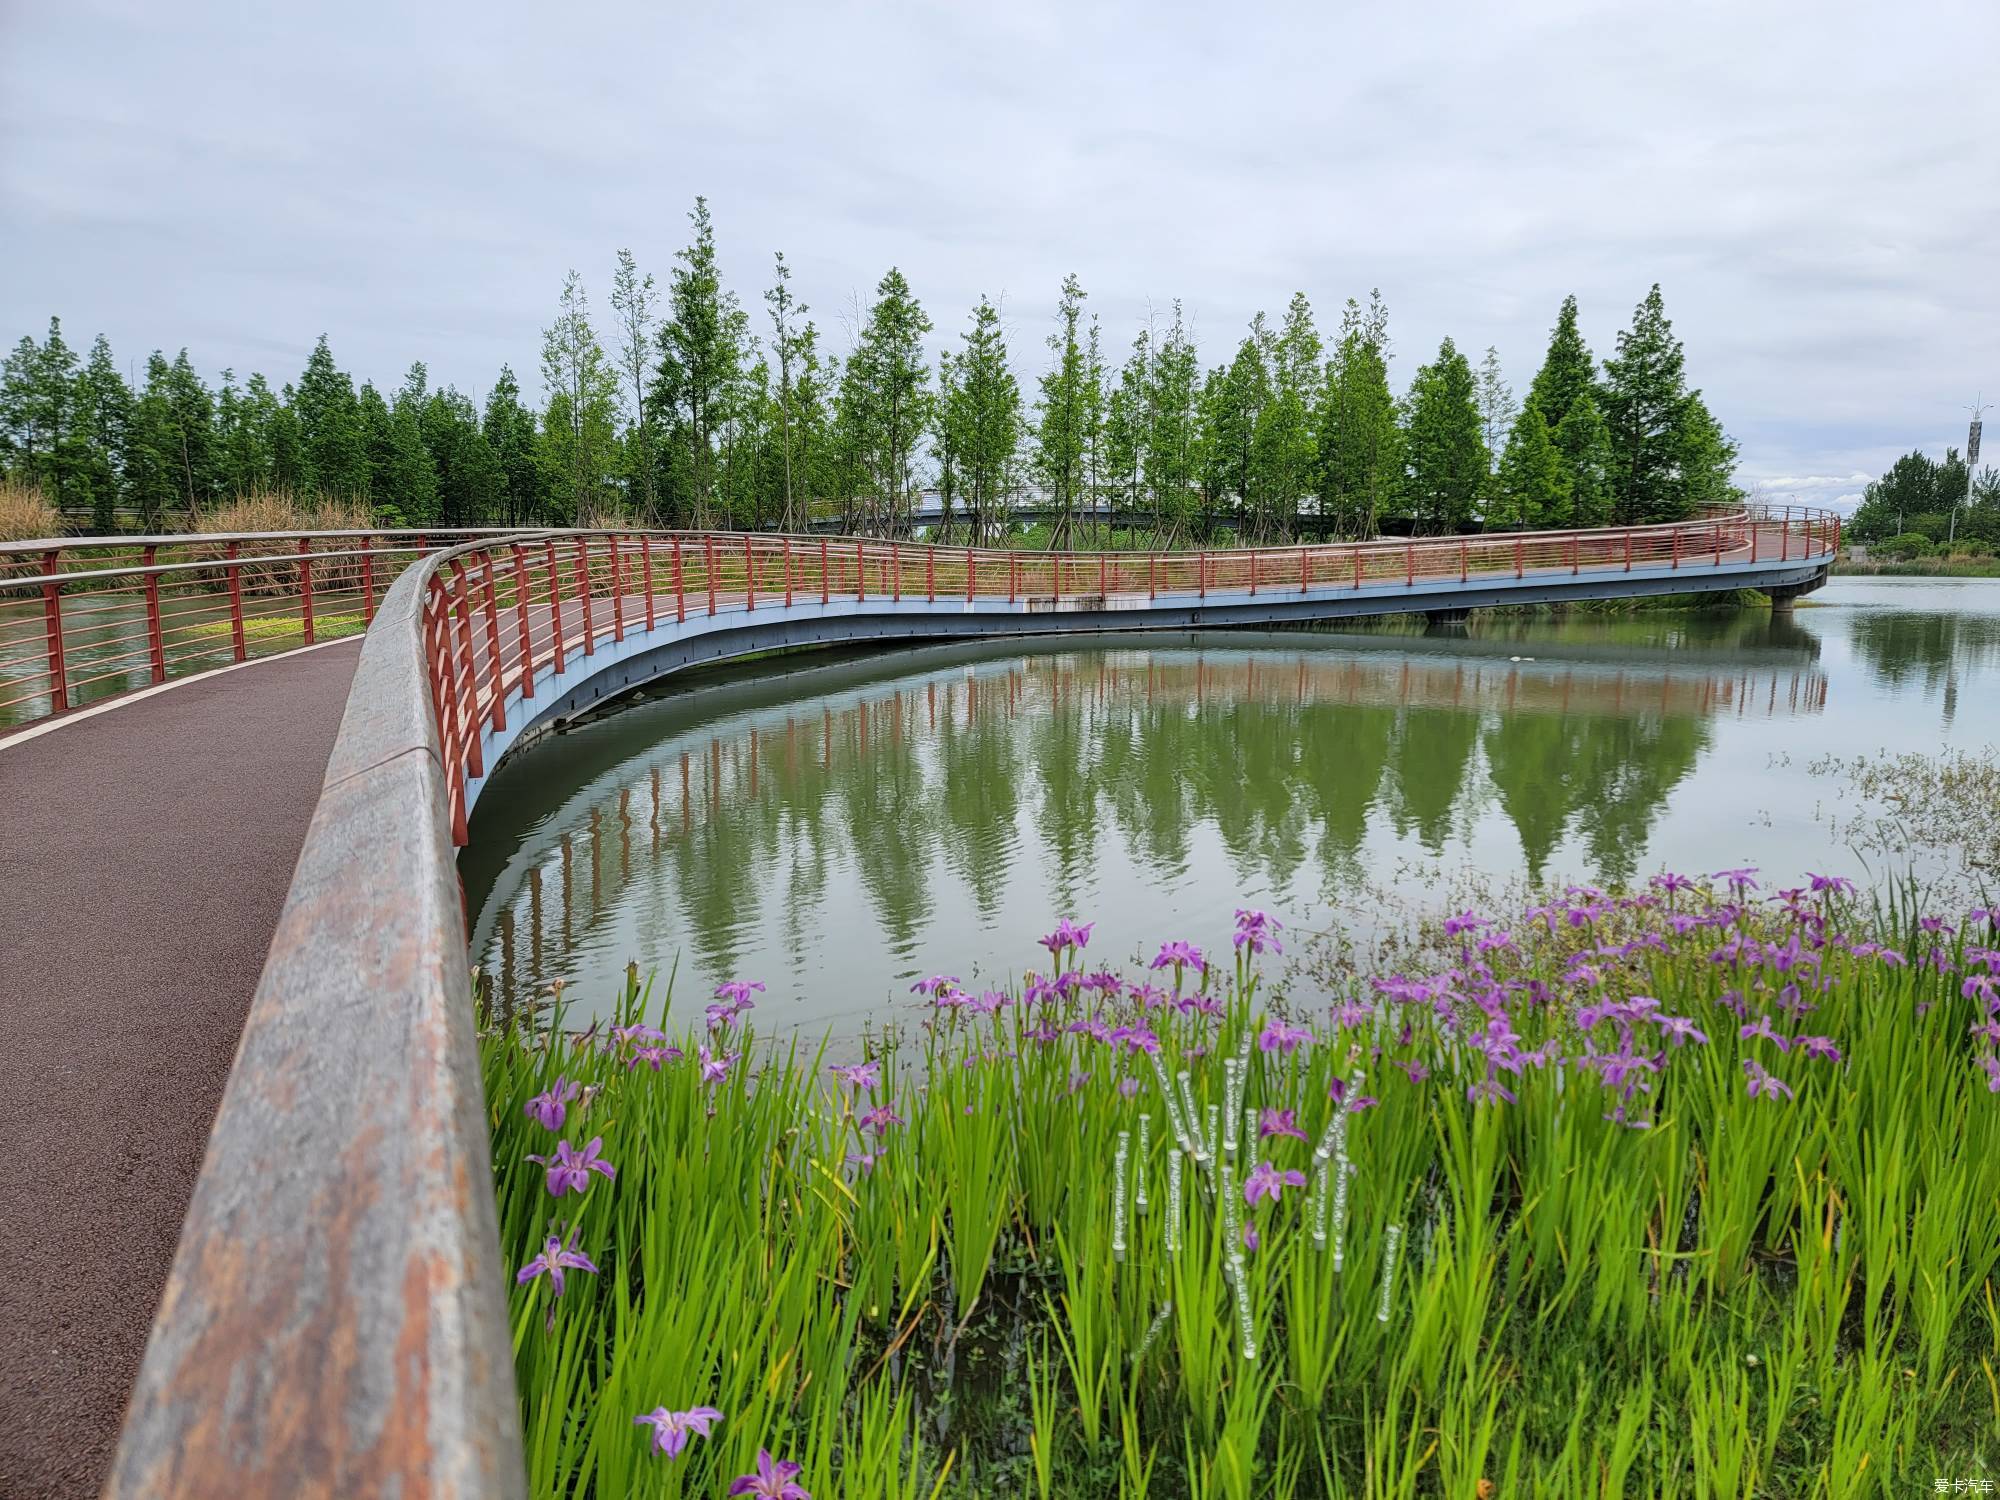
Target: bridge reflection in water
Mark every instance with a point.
(936, 777)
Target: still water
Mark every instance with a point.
(839, 826)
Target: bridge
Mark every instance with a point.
(333, 1321)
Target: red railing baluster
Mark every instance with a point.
(749, 576)
(788, 572)
(469, 714)
(930, 575)
(1461, 560)
(825, 578)
(646, 562)
(495, 673)
(239, 647)
(367, 578)
(1305, 567)
(860, 571)
(895, 573)
(555, 605)
(1409, 565)
(708, 568)
(617, 592)
(52, 624)
(968, 575)
(583, 591)
(680, 587)
(1013, 576)
(306, 587)
(521, 615)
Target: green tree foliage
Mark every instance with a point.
(1532, 487)
(1237, 396)
(104, 416)
(1568, 370)
(1172, 458)
(1584, 444)
(703, 347)
(982, 411)
(1127, 426)
(579, 426)
(1926, 497)
(510, 432)
(1668, 455)
(633, 301)
(1062, 423)
(1360, 439)
(890, 399)
(333, 460)
(1284, 458)
(788, 333)
(1445, 452)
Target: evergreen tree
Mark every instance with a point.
(579, 426)
(151, 457)
(1285, 454)
(1063, 416)
(1172, 459)
(104, 412)
(1655, 432)
(1360, 441)
(194, 430)
(509, 430)
(1127, 426)
(1239, 400)
(633, 301)
(891, 381)
(469, 482)
(1568, 369)
(702, 349)
(787, 335)
(333, 460)
(1446, 455)
(50, 446)
(982, 410)
(1583, 443)
(407, 493)
(378, 437)
(1532, 488)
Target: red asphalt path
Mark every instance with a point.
(146, 852)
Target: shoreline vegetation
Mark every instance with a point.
(1683, 1190)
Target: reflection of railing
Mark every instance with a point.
(80, 619)
(335, 1320)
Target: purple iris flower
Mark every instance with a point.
(654, 1056)
(1991, 1064)
(556, 1257)
(722, 1012)
(1417, 1071)
(1352, 1013)
(863, 1161)
(1830, 884)
(1147, 995)
(715, 1066)
(671, 1429)
(1277, 1036)
(1266, 1181)
(1068, 934)
(861, 1075)
(1180, 955)
(570, 1168)
(1199, 1004)
(880, 1118)
(1764, 1083)
(1077, 1080)
(773, 1479)
(1489, 1092)
(1135, 1039)
(1819, 1047)
(1680, 1030)
(1251, 1239)
(550, 1108)
(1258, 931)
(738, 991)
(1465, 921)
(1272, 1122)
(933, 984)
(1739, 881)
(1128, 1086)
(1761, 1027)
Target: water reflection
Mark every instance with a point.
(829, 829)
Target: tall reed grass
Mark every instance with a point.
(1678, 1192)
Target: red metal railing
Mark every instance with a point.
(81, 620)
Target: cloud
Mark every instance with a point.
(1811, 185)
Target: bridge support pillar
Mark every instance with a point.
(1786, 595)
(1446, 620)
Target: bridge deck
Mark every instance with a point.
(148, 851)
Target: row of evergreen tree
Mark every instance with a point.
(691, 417)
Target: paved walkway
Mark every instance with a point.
(146, 851)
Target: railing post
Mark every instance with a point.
(521, 615)
(1677, 549)
(1357, 567)
(497, 674)
(708, 568)
(617, 593)
(860, 570)
(1461, 560)
(749, 576)
(1409, 565)
(1628, 549)
(1517, 557)
(1013, 575)
(825, 578)
(555, 604)
(930, 575)
(968, 574)
(895, 573)
(788, 572)
(1718, 544)
(367, 579)
(469, 718)
(1201, 562)
(1253, 573)
(646, 562)
(680, 587)
(1305, 564)
(52, 622)
(306, 587)
(1785, 537)
(236, 641)
(1103, 578)
(583, 597)
(1153, 576)
(1753, 541)
(1574, 561)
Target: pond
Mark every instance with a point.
(840, 826)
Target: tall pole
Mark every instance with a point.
(1978, 409)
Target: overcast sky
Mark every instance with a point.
(1815, 186)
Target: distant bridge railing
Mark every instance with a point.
(335, 1322)
(85, 619)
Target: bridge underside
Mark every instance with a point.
(619, 667)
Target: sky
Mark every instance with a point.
(1815, 186)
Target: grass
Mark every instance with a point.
(1013, 1261)
(273, 629)
(1919, 567)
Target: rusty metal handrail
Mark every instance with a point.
(335, 1321)
(119, 613)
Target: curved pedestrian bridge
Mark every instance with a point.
(334, 1319)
